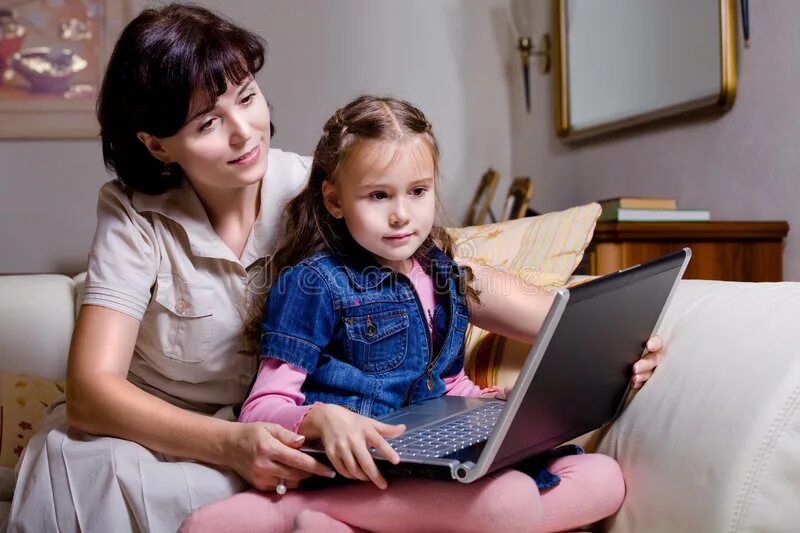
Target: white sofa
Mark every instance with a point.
(712, 442)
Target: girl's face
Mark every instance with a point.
(224, 147)
(386, 195)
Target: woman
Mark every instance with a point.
(158, 356)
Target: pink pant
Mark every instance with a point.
(591, 488)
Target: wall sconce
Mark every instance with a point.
(521, 21)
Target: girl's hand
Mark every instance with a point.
(645, 366)
(264, 454)
(348, 437)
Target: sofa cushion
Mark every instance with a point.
(543, 250)
(31, 347)
(23, 401)
(37, 347)
(711, 442)
(6, 486)
(5, 509)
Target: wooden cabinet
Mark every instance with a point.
(731, 251)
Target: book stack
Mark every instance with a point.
(648, 209)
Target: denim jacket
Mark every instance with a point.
(360, 332)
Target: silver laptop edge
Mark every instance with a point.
(468, 471)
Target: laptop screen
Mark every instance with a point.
(586, 368)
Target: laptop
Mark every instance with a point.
(576, 378)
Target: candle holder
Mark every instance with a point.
(526, 50)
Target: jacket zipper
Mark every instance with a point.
(429, 337)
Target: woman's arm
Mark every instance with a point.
(100, 400)
(509, 306)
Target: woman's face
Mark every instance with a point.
(224, 147)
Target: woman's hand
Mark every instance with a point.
(348, 437)
(264, 454)
(645, 366)
(498, 393)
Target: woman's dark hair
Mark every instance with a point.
(168, 63)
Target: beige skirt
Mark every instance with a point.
(70, 481)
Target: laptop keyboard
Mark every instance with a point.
(455, 434)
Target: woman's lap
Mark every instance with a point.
(89, 483)
(83, 482)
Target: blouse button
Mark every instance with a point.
(181, 306)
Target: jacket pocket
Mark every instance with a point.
(186, 318)
(461, 322)
(377, 342)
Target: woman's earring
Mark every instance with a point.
(337, 215)
(167, 172)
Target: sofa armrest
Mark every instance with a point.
(710, 442)
(37, 315)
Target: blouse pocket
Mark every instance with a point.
(377, 342)
(186, 321)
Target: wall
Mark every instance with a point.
(450, 57)
(743, 165)
(453, 58)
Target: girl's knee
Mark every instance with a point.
(244, 512)
(511, 501)
(603, 479)
(197, 522)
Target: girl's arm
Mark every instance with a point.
(101, 401)
(276, 396)
(509, 306)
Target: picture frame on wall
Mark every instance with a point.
(52, 59)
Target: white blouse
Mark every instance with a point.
(157, 259)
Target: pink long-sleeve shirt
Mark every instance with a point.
(276, 394)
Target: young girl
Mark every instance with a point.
(367, 312)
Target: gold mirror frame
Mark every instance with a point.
(722, 102)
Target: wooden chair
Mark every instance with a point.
(481, 201)
(519, 196)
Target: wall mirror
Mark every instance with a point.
(625, 62)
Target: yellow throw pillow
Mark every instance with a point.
(23, 401)
(543, 250)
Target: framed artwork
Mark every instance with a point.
(52, 58)
(481, 201)
(519, 196)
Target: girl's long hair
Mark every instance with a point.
(310, 228)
